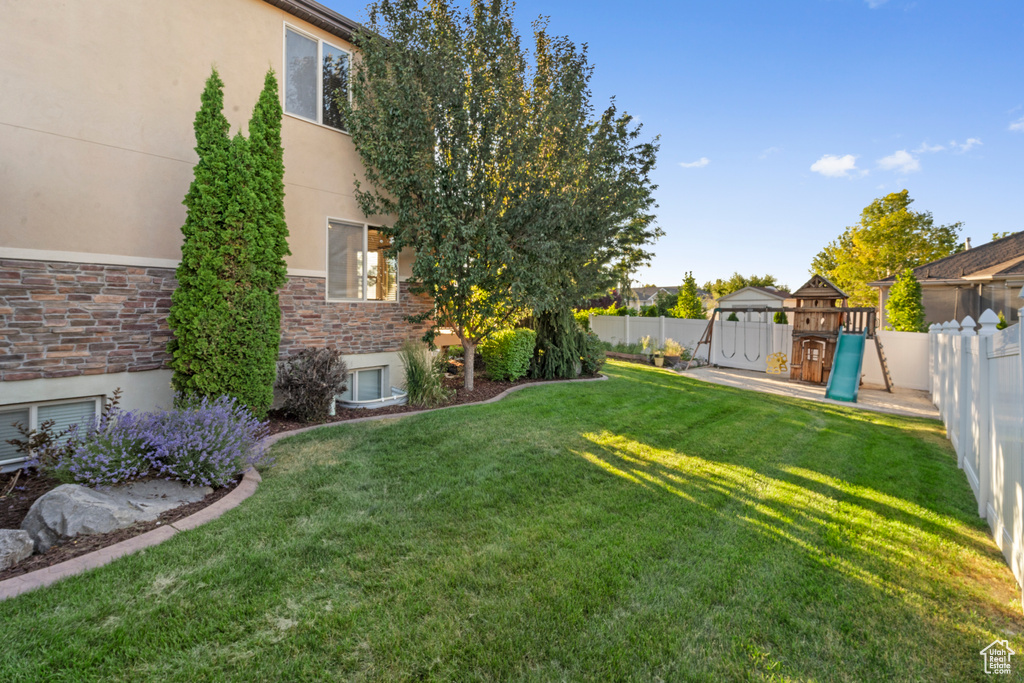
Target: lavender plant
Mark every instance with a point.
(116, 450)
(207, 442)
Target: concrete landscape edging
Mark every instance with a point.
(16, 585)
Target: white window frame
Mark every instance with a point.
(365, 288)
(320, 75)
(354, 377)
(33, 416)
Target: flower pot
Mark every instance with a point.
(659, 361)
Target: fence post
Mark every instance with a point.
(988, 321)
(933, 359)
(662, 319)
(965, 400)
(627, 330)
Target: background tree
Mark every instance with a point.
(512, 198)
(889, 239)
(780, 318)
(736, 282)
(689, 304)
(904, 309)
(1001, 235)
(224, 313)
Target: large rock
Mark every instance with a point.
(15, 546)
(71, 510)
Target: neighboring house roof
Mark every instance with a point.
(643, 293)
(772, 292)
(993, 261)
(320, 16)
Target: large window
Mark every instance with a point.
(63, 414)
(316, 75)
(358, 266)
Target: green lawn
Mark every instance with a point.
(646, 528)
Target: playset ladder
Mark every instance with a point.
(884, 363)
(704, 339)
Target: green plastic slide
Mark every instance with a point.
(844, 381)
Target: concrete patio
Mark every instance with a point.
(909, 402)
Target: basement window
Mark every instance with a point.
(364, 385)
(63, 413)
(315, 76)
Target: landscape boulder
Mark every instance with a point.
(15, 546)
(71, 510)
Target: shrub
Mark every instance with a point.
(206, 442)
(583, 318)
(732, 318)
(309, 381)
(116, 450)
(1002, 324)
(456, 351)
(424, 375)
(780, 318)
(904, 308)
(673, 348)
(507, 353)
(225, 316)
(593, 356)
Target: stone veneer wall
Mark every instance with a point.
(67, 319)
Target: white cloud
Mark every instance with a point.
(834, 166)
(926, 148)
(700, 163)
(902, 161)
(1018, 125)
(768, 152)
(965, 147)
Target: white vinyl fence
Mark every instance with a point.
(976, 382)
(747, 345)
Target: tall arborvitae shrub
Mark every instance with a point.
(225, 314)
(904, 308)
(688, 305)
(561, 343)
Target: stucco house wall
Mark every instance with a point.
(97, 139)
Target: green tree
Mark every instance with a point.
(1001, 235)
(780, 318)
(904, 309)
(224, 313)
(511, 197)
(736, 282)
(888, 239)
(689, 304)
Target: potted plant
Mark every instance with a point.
(659, 357)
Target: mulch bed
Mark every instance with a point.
(483, 389)
(14, 507)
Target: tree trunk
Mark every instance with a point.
(468, 359)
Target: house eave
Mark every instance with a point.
(319, 16)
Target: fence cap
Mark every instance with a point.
(988, 321)
(934, 327)
(950, 325)
(968, 327)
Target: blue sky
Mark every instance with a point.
(780, 120)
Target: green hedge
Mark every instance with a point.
(507, 353)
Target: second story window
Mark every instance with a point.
(316, 75)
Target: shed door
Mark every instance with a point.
(813, 354)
